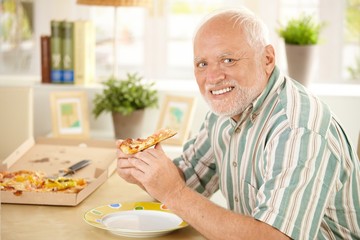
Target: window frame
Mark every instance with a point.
(155, 65)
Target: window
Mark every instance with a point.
(130, 39)
(351, 50)
(183, 17)
(340, 38)
(16, 32)
(157, 43)
(164, 49)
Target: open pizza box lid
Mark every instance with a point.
(49, 155)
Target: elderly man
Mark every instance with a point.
(276, 152)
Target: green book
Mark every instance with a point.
(67, 51)
(56, 52)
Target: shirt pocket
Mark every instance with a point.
(247, 198)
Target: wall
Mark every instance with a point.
(16, 122)
(347, 109)
(343, 101)
(102, 127)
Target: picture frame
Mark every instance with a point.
(177, 113)
(69, 113)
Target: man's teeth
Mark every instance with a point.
(221, 91)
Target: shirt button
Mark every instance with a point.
(236, 199)
(234, 164)
(253, 116)
(237, 130)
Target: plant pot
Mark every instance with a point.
(128, 126)
(302, 62)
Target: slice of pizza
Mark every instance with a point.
(34, 181)
(132, 146)
(64, 184)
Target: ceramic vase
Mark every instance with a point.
(302, 62)
(127, 126)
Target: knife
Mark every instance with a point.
(73, 168)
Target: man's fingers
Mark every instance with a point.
(159, 147)
(139, 164)
(124, 163)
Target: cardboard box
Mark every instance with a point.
(50, 155)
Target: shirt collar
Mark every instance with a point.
(275, 81)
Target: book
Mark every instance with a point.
(84, 52)
(56, 52)
(45, 59)
(67, 51)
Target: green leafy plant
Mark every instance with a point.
(353, 35)
(125, 96)
(301, 31)
(354, 70)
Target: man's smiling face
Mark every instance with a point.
(228, 72)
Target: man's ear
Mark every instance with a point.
(269, 59)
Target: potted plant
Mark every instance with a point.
(301, 37)
(126, 99)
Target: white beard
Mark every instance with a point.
(244, 96)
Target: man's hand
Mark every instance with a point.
(124, 166)
(152, 170)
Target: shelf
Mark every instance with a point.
(188, 86)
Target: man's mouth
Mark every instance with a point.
(221, 91)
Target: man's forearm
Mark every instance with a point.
(215, 222)
(181, 173)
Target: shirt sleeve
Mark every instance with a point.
(198, 164)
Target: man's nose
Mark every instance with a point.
(215, 73)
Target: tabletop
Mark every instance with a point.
(58, 222)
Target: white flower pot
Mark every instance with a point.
(302, 62)
(127, 126)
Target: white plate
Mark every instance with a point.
(136, 219)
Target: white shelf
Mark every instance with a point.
(188, 86)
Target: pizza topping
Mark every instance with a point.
(132, 146)
(32, 181)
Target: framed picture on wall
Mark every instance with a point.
(69, 114)
(177, 113)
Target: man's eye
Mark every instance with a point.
(229, 60)
(201, 64)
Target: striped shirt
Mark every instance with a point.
(286, 162)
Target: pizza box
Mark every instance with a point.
(49, 155)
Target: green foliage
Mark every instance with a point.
(13, 16)
(353, 34)
(301, 31)
(125, 96)
(354, 71)
(353, 20)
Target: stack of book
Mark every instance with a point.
(68, 54)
